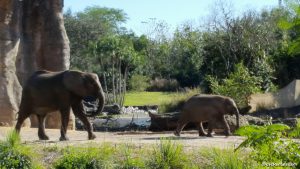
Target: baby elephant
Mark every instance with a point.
(207, 108)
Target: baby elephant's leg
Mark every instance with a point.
(201, 130)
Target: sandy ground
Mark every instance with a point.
(188, 138)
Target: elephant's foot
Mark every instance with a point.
(43, 137)
(63, 138)
(92, 136)
(202, 134)
(176, 133)
(209, 135)
(227, 133)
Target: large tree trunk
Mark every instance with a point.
(36, 40)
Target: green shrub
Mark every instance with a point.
(225, 158)
(268, 145)
(86, 158)
(177, 102)
(138, 83)
(131, 160)
(239, 85)
(295, 132)
(15, 155)
(168, 156)
(165, 85)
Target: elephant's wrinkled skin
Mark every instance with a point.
(46, 92)
(207, 108)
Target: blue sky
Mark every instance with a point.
(173, 12)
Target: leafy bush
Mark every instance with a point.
(227, 158)
(166, 85)
(177, 102)
(83, 158)
(268, 145)
(15, 155)
(130, 160)
(168, 156)
(239, 85)
(138, 83)
(295, 132)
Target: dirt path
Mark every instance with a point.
(188, 139)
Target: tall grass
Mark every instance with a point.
(295, 132)
(130, 158)
(87, 158)
(13, 154)
(177, 101)
(226, 159)
(168, 155)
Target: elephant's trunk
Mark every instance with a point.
(237, 118)
(100, 104)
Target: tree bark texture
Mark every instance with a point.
(32, 37)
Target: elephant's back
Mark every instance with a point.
(203, 103)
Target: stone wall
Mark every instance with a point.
(289, 96)
(32, 37)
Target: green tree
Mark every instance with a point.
(251, 39)
(87, 27)
(239, 85)
(114, 55)
(186, 56)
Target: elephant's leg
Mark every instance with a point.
(79, 112)
(181, 123)
(41, 131)
(226, 126)
(65, 116)
(210, 128)
(22, 115)
(201, 130)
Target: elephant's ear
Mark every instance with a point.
(74, 82)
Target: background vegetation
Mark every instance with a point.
(262, 45)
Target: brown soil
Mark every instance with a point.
(189, 139)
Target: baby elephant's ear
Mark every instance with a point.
(74, 82)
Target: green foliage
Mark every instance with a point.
(15, 155)
(165, 85)
(131, 160)
(268, 145)
(291, 23)
(295, 132)
(186, 56)
(168, 156)
(138, 83)
(86, 158)
(177, 101)
(226, 158)
(239, 85)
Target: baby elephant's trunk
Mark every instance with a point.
(237, 118)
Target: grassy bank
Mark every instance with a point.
(263, 146)
(166, 154)
(148, 98)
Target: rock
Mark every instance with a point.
(112, 109)
(163, 122)
(231, 120)
(255, 120)
(10, 88)
(32, 37)
(292, 122)
(279, 113)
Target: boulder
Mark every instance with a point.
(32, 37)
(292, 122)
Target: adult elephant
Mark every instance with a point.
(207, 108)
(47, 91)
